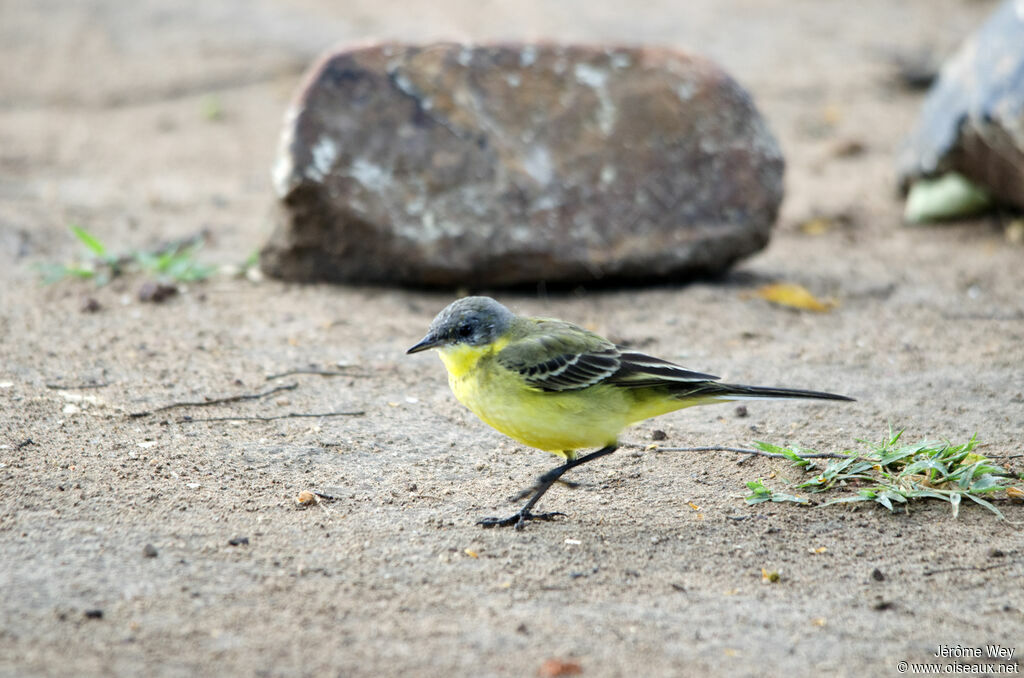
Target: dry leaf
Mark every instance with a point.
(792, 295)
(305, 498)
(471, 553)
(831, 114)
(694, 506)
(817, 226)
(818, 621)
(1015, 232)
(769, 577)
(1015, 493)
(820, 549)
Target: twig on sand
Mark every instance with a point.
(76, 387)
(313, 370)
(216, 401)
(290, 415)
(968, 568)
(740, 450)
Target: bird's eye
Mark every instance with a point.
(464, 331)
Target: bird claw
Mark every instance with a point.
(518, 520)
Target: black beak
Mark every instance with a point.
(426, 342)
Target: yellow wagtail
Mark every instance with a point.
(561, 388)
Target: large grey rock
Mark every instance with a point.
(973, 119)
(496, 165)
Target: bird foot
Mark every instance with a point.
(517, 520)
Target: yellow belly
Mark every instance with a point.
(558, 422)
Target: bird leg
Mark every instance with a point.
(571, 484)
(544, 483)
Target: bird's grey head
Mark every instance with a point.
(475, 321)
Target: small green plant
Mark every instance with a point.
(101, 266)
(894, 474)
(175, 261)
(760, 493)
(212, 108)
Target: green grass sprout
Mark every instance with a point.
(175, 261)
(760, 493)
(894, 474)
(792, 453)
(212, 108)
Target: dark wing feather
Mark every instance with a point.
(559, 356)
(638, 370)
(577, 371)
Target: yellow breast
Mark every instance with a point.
(558, 422)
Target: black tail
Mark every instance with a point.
(715, 389)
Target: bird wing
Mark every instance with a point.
(639, 369)
(559, 356)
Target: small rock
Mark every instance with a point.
(848, 148)
(453, 165)
(995, 553)
(658, 434)
(972, 121)
(552, 668)
(90, 305)
(94, 614)
(149, 551)
(916, 69)
(156, 293)
(238, 541)
(877, 575)
(881, 605)
(305, 498)
(741, 411)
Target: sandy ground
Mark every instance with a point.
(102, 123)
